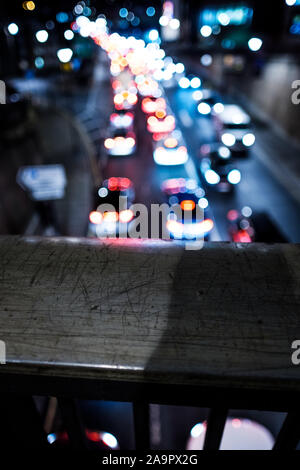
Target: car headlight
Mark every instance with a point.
(234, 177)
(96, 217)
(218, 108)
(197, 95)
(249, 140)
(228, 139)
(130, 142)
(109, 144)
(212, 177)
(126, 216)
(204, 108)
(203, 203)
(224, 152)
(184, 83)
(174, 227)
(170, 157)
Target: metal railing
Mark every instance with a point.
(148, 322)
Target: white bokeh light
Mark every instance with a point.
(64, 55)
(255, 44)
(206, 31)
(69, 35)
(13, 29)
(42, 36)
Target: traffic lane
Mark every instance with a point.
(196, 127)
(146, 175)
(262, 193)
(196, 131)
(258, 188)
(138, 167)
(280, 154)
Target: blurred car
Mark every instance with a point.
(247, 227)
(217, 167)
(95, 440)
(193, 222)
(208, 101)
(121, 143)
(159, 137)
(150, 105)
(241, 229)
(113, 219)
(122, 120)
(124, 82)
(233, 127)
(125, 100)
(161, 122)
(170, 152)
(147, 86)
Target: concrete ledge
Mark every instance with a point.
(149, 311)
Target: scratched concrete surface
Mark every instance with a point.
(142, 308)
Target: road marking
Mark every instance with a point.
(185, 118)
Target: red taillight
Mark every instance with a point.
(124, 183)
(242, 236)
(130, 141)
(96, 217)
(110, 216)
(157, 136)
(118, 184)
(113, 184)
(93, 436)
(187, 205)
(126, 216)
(118, 99)
(109, 143)
(116, 84)
(232, 215)
(148, 106)
(152, 120)
(132, 98)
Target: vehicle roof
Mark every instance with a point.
(234, 114)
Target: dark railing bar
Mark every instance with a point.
(141, 415)
(72, 420)
(157, 393)
(215, 427)
(289, 435)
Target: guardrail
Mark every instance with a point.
(148, 322)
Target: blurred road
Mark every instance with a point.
(259, 188)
